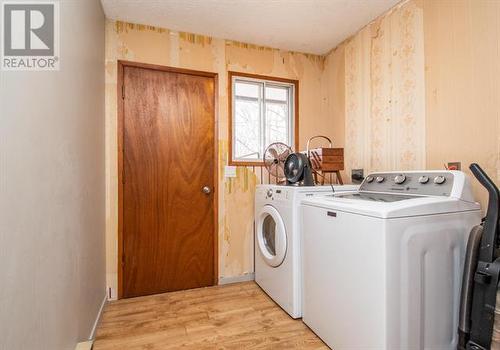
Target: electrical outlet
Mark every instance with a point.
(454, 166)
(357, 176)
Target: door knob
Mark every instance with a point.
(206, 190)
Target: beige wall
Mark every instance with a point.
(462, 61)
(161, 46)
(334, 80)
(52, 215)
(425, 74)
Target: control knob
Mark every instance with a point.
(438, 180)
(380, 179)
(269, 193)
(399, 179)
(423, 179)
(369, 179)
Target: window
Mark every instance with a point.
(262, 112)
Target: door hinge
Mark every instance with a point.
(123, 92)
(123, 259)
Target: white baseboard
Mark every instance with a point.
(98, 317)
(86, 345)
(235, 279)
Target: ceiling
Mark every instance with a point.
(311, 26)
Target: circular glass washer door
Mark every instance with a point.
(271, 236)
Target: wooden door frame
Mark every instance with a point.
(121, 129)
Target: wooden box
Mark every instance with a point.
(327, 159)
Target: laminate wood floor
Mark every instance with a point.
(235, 316)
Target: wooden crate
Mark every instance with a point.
(327, 159)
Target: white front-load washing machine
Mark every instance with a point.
(277, 241)
(383, 266)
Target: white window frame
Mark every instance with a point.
(291, 115)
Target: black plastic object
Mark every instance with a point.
(489, 242)
(470, 266)
(481, 274)
(298, 170)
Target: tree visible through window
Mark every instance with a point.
(262, 113)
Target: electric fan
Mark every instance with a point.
(298, 170)
(274, 159)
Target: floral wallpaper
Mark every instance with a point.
(385, 93)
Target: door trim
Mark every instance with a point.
(120, 129)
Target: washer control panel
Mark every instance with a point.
(433, 183)
(273, 194)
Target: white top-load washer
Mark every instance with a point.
(277, 241)
(382, 266)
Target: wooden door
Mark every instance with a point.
(168, 228)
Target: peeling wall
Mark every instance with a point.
(383, 92)
(148, 44)
(419, 87)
